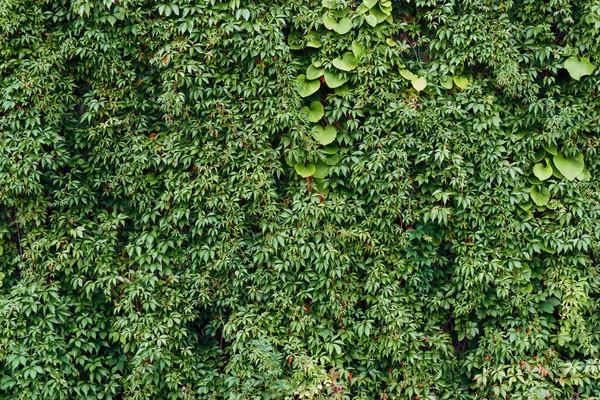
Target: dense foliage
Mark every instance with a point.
(272, 199)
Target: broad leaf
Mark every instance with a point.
(322, 170)
(324, 135)
(346, 63)
(307, 87)
(334, 80)
(305, 170)
(540, 195)
(461, 81)
(542, 171)
(419, 83)
(314, 112)
(446, 82)
(570, 167)
(578, 68)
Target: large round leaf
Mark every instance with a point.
(578, 68)
(371, 20)
(346, 63)
(307, 87)
(343, 26)
(542, 171)
(331, 148)
(406, 74)
(570, 167)
(314, 73)
(332, 159)
(446, 82)
(305, 170)
(322, 171)
(329, 22)
(461, 81)
(324, 135)
(334, 80)
(540, 195)
(314, 112)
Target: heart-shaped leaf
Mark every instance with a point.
(570, 167)
(369, 3)
(322, 171)
(331, 148)
(332, 159)
(446, 82)
(324, 135)
(371, 20)
(406, 74)
(307, 87)
(329, 21)
(379, 14)
(539, 155)
(346, 63)
(419, 83)
(540, 195)
(578, 68)
(343, 26)
(314, 73)
(313, 39)
(542, 171)
(334, 80)
(315, 112)
(526, 206)
(551, 149)
(340, 91)
(461, 81)
(584, 176)
(305, 170)
(357, 49)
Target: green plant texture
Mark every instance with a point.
(372, 199)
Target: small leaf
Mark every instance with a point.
(584, 176)
(322, 171)
(542, 171)
(346, 63)
(419, 83)
(539, 155)
(548, 305)
(570, 167)
(461, 81)
(334, 80)
(446, 82)
(540, 195)
(305, 170)
(307, 87)
(315, 112)
(324, 135)
(578, 68)
(343, 26)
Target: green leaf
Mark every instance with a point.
(461, 81)
(446, 82)
(526, 206)
(540, 195)
(295, 41)
(305, 170)
(551, 149)
(406, 74)
(329, 22)
(549, 305)
(332, 159)
(570, 167)
(377, 13)
(313, 39)
(322, 171)
(331, 148)
(584, 176)
(346, 63)
(371, 20)
(307, 87)
(542, 171)
(539, 155)
(419, 83)
(578, 68)
(334, 80)
(357, 49)
(369, 3)
(324, 135)
(343, 26)
(340, 91)
(314, 73)
(314, 112)
(341, 13)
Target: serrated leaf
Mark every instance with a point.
(461, 81)
(314, 112)
(578, 67)
(346, 63)
(307, 87)
(542, 172)
(334, 80)
(419, 83)
(569, 167)
(324, 135)
(549, 305)
(305, 170)
(540, 195)
(446, 82)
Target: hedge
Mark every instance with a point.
(266, 199)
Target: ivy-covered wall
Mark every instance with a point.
(265, 199)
